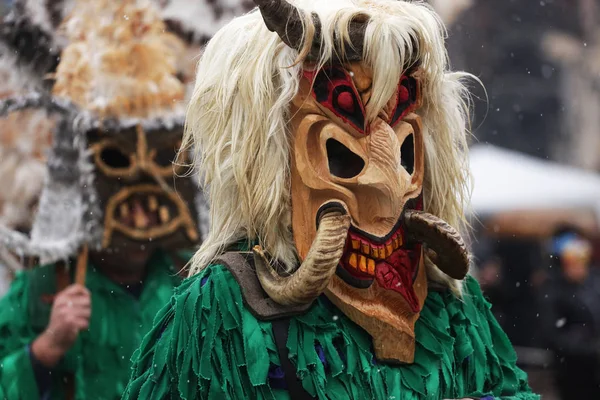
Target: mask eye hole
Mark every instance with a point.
(343, 163)
(164, 157)
(407, 154)
(114, 158)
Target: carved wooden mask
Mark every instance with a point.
(144, 197)
(376, 170)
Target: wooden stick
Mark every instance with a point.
(81, 270)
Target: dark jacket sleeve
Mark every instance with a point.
(566, 333)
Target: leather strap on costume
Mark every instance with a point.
(241, 266)
(281, 328)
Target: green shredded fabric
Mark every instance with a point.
(100, 359)
(206, 345)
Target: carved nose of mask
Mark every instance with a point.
(385, 176)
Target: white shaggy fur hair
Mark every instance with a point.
(24, 139)
(238, 117)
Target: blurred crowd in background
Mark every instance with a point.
(536, 165)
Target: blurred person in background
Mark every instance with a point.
(573, 322)
(488, 272)
(69, 327)
(510, 275)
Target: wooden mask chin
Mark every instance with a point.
(144, 198)
(375, 169)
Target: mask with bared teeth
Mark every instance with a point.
(357, 195)
(143, 188)
(136, 97)
(116, 178)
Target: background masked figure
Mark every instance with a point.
(573, 322)
(115, 214)
(332, 141)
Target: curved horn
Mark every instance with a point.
(452, 255)
(312, 277)
(285, 19)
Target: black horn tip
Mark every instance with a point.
(330, 207)
(285, 19)
(455, 268)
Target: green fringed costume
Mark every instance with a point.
(100, 359)
(321, 129)
(206, 345)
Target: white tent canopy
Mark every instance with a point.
(505, 180)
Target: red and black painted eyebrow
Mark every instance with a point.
(334, 89)
(406, 99)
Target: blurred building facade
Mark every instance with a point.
(540, 64)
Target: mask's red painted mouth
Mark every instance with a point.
(389, 259)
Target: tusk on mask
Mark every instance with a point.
(452, 257)
(312, 277)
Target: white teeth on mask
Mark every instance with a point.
(362, 263)
(152, 203)
(365, 248)
(124, 209)
(140, 219)
(142, 213)
(163, 214)
(353, 260)
(371, 266)
(374, 252)
(388, 249)
(364, 255)
(397, 241)
(377, 252)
